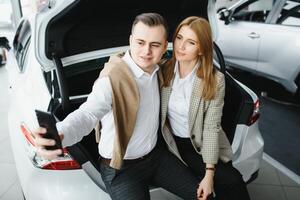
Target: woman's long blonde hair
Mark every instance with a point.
(206, 70)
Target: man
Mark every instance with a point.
(126, 100)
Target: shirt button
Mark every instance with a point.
(193, 136)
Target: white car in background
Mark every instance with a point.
(57, 56)
(5, 13)
(263, 37)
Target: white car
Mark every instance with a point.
(57, 56)
(5, 13)
(263, 37)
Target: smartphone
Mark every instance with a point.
(47, 120)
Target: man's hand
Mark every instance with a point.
(41, 143)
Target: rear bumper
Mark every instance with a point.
(247, 146)
(60, 185)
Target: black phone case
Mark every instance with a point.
(47, 120)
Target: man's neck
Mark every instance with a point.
(148, 70)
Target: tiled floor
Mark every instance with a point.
(270, 184)
(273, 184)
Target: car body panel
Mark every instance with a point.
(247, 146)
(271, 52)
(278, 54)
(235, 44)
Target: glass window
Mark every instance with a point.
(253, 11)
(80, 77)
(290, 14)
(21, 43)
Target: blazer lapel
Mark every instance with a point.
(195, 101)
(165, 95)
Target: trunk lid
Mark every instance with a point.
(73, 27)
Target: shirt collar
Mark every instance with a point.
(136, 70)
(176, 69)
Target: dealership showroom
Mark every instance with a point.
(51, 53)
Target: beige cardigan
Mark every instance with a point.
(125, 104)
(206, 133)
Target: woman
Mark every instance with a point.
(192, 102)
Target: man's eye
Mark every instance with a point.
(155, 45)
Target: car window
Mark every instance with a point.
(290, 14)
(253, 11)
(21, 43)
(80, 77)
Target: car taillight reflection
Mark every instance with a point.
(255, 115)
(65, 162)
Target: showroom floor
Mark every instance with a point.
(273, 181)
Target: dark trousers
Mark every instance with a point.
(159, 168)
(228, 181)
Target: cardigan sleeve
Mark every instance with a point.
(212, 124)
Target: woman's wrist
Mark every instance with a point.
(210, 170)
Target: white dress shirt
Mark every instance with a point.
(99, 106)
(179, 102)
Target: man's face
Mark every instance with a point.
(147, 45)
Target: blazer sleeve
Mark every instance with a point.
(212, 124)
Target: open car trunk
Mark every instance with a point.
(74, 27)
(92, 25)
(238, 109)
(89, 25)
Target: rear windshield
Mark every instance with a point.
(81, 76)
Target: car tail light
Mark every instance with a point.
(66, 162)
(255, 115)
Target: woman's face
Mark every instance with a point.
(186, 45)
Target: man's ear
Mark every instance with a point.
(130, 39)
(166, 45)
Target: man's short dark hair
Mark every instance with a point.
(151, 19)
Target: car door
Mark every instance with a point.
(239, 40)
(278, 56)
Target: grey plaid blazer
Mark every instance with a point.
(206, 133)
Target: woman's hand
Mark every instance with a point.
(206, 186)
